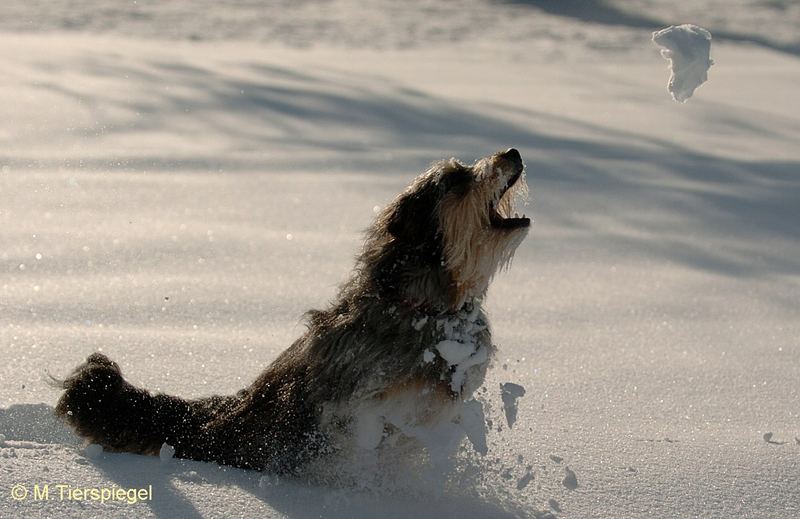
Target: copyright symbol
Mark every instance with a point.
(19, 492)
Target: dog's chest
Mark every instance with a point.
(460, 344)
(427, 393)
(454, 363)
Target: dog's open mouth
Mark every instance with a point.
(500, 212)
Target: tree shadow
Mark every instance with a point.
(604, 13)
(646, 196)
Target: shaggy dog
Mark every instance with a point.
(404, 344)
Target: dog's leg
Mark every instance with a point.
(105, 409)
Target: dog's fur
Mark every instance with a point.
(368, 365)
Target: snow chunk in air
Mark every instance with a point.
(687, 48)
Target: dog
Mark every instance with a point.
(402, 347)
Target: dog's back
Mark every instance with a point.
(399, 351)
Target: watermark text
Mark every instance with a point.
(66, 492)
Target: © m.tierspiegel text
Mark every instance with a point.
(65, 492)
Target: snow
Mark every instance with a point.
(454, 352)
(462, 349)
(156, 157)
(687, 49)
(473, 419)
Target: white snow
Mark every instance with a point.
(454, 352)
(460, 376)
(473, 419)
(462, 356)
(655, 301)
(687, 49)
(462, 349)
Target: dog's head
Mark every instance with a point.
(440, 241)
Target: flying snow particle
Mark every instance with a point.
(166, 453)
(687, 48)
(2, 439)
(509, 393)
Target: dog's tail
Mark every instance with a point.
(105, 409)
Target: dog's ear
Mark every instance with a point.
(413, 215)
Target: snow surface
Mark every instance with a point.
(178, 184)
(687, 49)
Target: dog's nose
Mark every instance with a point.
(513, 156)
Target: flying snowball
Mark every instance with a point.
(687, 48)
